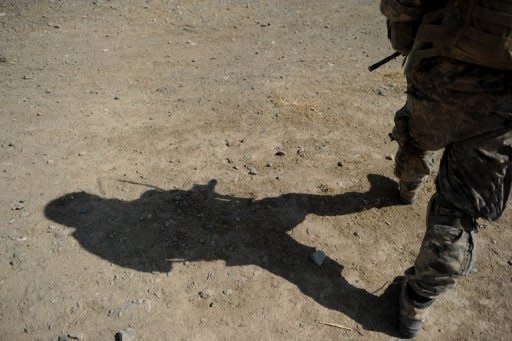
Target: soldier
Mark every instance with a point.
(459, 97)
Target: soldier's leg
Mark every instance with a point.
(474, 182)
(447, 251)
(412, 164)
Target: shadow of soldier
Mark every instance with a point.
(160, 227)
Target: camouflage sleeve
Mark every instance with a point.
(402, 10)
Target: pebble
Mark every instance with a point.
(127, 334)
(116, 98)
(27, 77)
(227, 292)
(54, 25)
(76, 336)
(81, 153)
(340, 164)
(356, 234)
(300, 151)
(269, 164)
(389, 157)
(19, 205)
(509, 262)
(204, 294)
(252, 170)
(280, 153)
(318, 257)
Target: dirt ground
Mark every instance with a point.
(170, 166)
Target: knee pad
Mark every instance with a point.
(447, 250)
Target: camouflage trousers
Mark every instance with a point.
(467, 110)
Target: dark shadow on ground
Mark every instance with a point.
(200, 224)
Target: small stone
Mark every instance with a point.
(269, 164)
(509, 262)
(300, 151)
(340, 164)
(389, 157)
(204, 294)
(227, 143)
(318, 257)
(77, 336)
(19, 206)
(356, 234)
(27, 77)
(227, 292)
(57, 26)
(116, 98)
(82, 153)
(252, 170)
(380, 92)
(494, 242)
(280, 153)
(127, 334)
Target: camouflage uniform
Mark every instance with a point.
(466, 109)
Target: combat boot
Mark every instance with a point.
(412, 311)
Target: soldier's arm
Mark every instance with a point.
(403, 21)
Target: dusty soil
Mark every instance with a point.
(170, 166)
